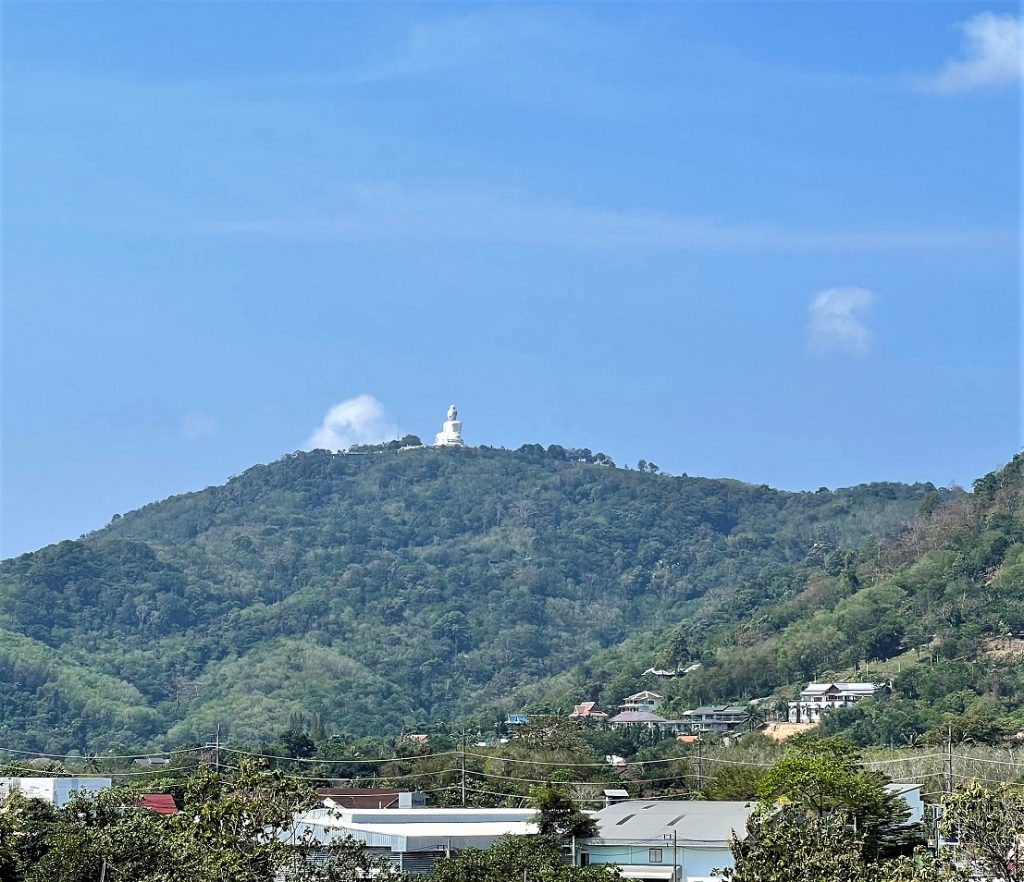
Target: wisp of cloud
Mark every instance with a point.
(836, 320)
(358, 420)
(994, 55)
(196, 426)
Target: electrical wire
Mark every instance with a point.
(339, 762)
(55, 774)
(580, 783)
(83, 757)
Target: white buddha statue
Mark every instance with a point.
(451, 432)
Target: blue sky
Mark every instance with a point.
(771, 241)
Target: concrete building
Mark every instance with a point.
(641, 702)
(370, 798)
(682, 841)
(412, 839)
(56, 791)
(716, 720)
(820, 697)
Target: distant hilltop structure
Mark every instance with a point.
(451, 432)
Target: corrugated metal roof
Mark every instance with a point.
(701, 821)
(161, 803)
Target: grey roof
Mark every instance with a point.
(692, 821)
(637, 717)
(716, 709)
(815, 688)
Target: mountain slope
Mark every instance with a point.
(946, 597)
(384, 589)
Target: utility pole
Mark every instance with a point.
(675, 853)
(949, 761)
(700, 766)
(462, 767)
(215, 744)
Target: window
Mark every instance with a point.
(654, 856)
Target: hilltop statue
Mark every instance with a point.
(451, 432)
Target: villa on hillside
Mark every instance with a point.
(641, 702)
(588, 711)
(717, 719)
(820, 697)
(638, 710)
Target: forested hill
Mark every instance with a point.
(387, 589)
(939, 610)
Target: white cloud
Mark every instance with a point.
(993, 50)
(388, 211)
(196, 426)
(359, 420)
(836, 320)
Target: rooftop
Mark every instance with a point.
(717, 709)
(815, 688)
(702, 822)
(637, 717)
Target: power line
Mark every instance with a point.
(339, 762)
(56, 774)
(87, 757)
(580, 783)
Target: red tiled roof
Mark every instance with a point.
(587, 709)
(161, 803)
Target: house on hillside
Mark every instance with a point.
(588, 712)
(676, 840)
(716, 719)
(640, 718)
(820, 697)
(641, 702)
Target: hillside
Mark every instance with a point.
(939, 610)
(388, 589)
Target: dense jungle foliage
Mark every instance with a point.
(384, 590)
(939, 611)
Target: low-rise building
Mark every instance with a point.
(371, 797)
(641, 702)
(684, 841)
(716, 719)
(413, 839)
(639, 718)
(818, 698)
(56, 791)
(588, 711)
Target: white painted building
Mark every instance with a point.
(56, 791)
(820, 697)
(412, 839)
